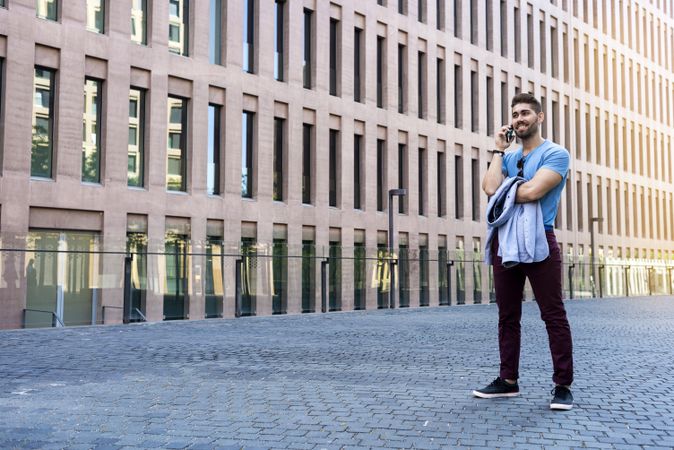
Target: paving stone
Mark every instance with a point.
(369, 379)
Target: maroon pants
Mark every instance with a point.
(546, 281)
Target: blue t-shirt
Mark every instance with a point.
(547, 155)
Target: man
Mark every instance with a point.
(544, 166)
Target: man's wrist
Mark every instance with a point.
(498, 152)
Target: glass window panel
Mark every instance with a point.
(177, 148)
(96, 16)
(46, 9)
(178, 27)
(43, 124)
(215, 42)
(213, 169)
(91, 142)
(139, 21)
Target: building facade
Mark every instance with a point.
(196, 134)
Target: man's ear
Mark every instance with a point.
(541, 117)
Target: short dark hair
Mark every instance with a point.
(527, 97)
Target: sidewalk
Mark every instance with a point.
(367, 379)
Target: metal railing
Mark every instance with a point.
(74, 286)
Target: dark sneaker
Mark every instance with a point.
(498, 388)
(562, 398)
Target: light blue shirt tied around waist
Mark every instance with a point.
(521, 232)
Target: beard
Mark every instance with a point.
(531, 131)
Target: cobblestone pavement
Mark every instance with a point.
(371, 379)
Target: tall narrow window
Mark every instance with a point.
(402, 87)
(422, 175)
(489, 21)
(424, 258)
(357, 64)
(42, 150)
(279, 40)
(139, 22)
(247, 145)
(249, 36)
(357, 171)
(381, 174)
(458, 187)
(176, 152)
(214, 138)
(474, 106)
(530, 41)
(475, 188)
(440, 89)
(179, 26)
(458, 96)
(421, 7)
(333, 170)
(504, 28)
(402, 177)
(440, 14)
(279, 158)
(543, 44)
(554, 63)
(91, 131)
(421, 84)
(334, 57)
(307, 161)
(441, 184)
(381, 48)
(517, 34)
(136, 153)
(402, 6)
(307, 61)
(458, 32)
(359, 275)
(473, 22)
(96, 16)
(215, 46)
(490, 106)
(47, 9)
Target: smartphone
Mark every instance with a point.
(510, 134)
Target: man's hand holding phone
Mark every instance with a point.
(504, 137)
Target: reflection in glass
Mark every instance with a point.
(43, 123)
(248, 277)
(91, 136)
(404, 276)
(280, 276)
(214, 276)
(442, 276)
(176, 264)
(359, 269)
(139, 21)
(382, 279)
(215, 44)
(136, 244)
(335, 277)
(177, 145)
(460, 273)
(308, 276)
(424, 299)
(279, 138)
(178, 26)
(279, 7)
(136, 152)
(249, 36)
(96, 16)
(247, 154)
(213, 168)
(477, 272)
(46, 9)
(62, 276)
